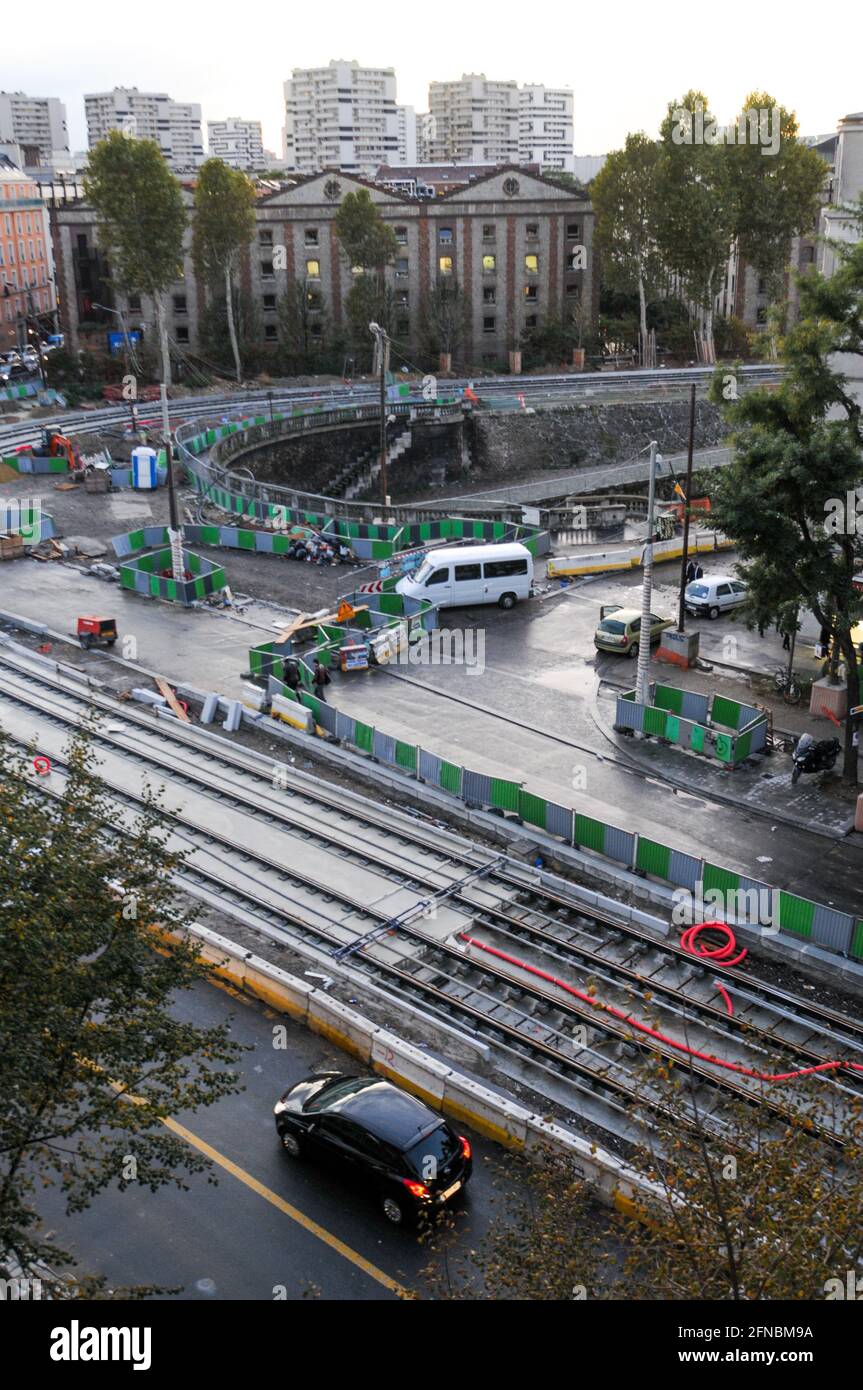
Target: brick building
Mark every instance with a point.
(510, 238)
(27, 292)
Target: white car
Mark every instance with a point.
(470, 574)
(714, 594)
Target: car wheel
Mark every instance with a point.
(633, 651)
(713, 612)
(291, 1144)
(506, 601)
(392, 1210)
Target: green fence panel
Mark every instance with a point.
(450, 778)
(312, 703)
(406, 756)
(672, 728)
(697, 739)
(857, 941)
(725, 711)
(725, 748)
(654, 721)
(669, 697)
(742, 745)
(504, 795)
(210, 535)
(589, 833)
(532, 808)
(246, 540)
(652, 857)
(795, 914)
(714, 877)
(364, 736)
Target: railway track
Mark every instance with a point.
(333, 876)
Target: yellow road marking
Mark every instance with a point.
(279, 1202)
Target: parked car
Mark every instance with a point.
(471, 574)
(619, 629)
(714, 594)
(384, 1140)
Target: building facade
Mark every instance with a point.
(28, 298)
(36, 124)
(174, 125)
(474, 121)
(407, 133)
(545, 131)
(519, 245)
(341, 116)
(236, 142)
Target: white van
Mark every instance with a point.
(470, 574)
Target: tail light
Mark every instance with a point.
(465, 1146)
(416, 1189)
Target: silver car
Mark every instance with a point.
(714, 594)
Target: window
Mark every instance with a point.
(402, 298)
(311, 236)
(401, 267)
(531, 263)
(180, 304)
(265, 238)
(488, 294)
(530, 293)
(488, 324)
(270, 331)
(403, 327)
(438, 577)
(269, 303)
(573, 231)
(314, 299)
(445, 265)
(762, 286)
(313, 270)
(502, 569)
(467, 572)
(530, 321)
(182, 333)
(573, 291)
(315, 330)
(401, 236)
(761, 316)
(134, 303)
(489, 232)
(723, 589)
(532, 231)
(267, 270)
(445, 236)
(489, 265)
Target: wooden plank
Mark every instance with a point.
(173, 703)
(304, 621)
(291, 628)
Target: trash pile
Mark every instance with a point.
(315, 549)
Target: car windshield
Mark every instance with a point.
(421, 575)
(335, 1091)
(697, 590)
(441, 1146)
(611, 625)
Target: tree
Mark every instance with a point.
(224, 224)
(93, 1058)
(303, 330)
(694, 209)
(776, 194)
(798, 459)
(141, 220)
(368, 243)
(217, 349)
(444, 318)
(624, 199)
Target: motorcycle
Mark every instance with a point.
(810, 756)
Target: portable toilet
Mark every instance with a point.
(145, 474)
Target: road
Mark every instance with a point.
(271, 1228)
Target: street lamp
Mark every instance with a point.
(641, 685)
(382, 344)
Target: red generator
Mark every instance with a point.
(97, 632)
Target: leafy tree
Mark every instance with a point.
(694, 210)
(624, 199)
(141, 220)
(444, 318)
(224, 224)
(369, 300)
(217, 349)
(798, 458)
(92, 1058)
(368, 243)
(775, 195)
(300, 348)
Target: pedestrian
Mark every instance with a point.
(699, 572)
(690, 571)
(292, 676)
(786, 640)
(320, 677)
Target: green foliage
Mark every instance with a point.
(224, 220)
(624, 198)
(444, 319)
(92, 1057)
(140, 212)
(214, 333)
(302, 349)
(369, 300)
(367, 241)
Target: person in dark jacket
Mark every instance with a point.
(321, 677)
(690, 571)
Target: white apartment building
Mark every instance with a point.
(174, 125)
(34, 123)
(341, 116)
(407, 135)
(545, 134)
(236, 142)
(474, 121)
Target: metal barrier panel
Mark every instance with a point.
(558, 820)
(476, 788)
(652, 858)
(629, 715)
(384, 747)
(327, 717)
(531, 808)
(588, 833)
(429, 767)
(504, 795)
(683, 869)
(857, 941)
(450, 777)
(406, 756)
(344, 727)
(718, 878)
(831, 928)
(758, 737)
(725, 748)
(725, 711)
(620, 845)
(795, 914)
(654, 721)
(669, 697)
(364, 736)
(263, 540)
(694, 706)
(229, 535)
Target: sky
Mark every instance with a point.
(625, 61)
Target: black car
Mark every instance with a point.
(386, 1140)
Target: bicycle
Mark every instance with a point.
(786, 684)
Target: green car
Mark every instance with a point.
(619, 629)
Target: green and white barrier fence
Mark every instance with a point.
(713, 725)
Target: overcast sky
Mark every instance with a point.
(625, 60)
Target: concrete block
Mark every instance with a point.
(826, 697)
(678, 648)
(410, 1067)
(209, 708)
(485, 1110)
(341, 1025)
(148, 697)
(234, 717)
(253, 697)
(294, 714)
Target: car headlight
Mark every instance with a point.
(280, 1106)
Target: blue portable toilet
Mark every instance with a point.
(145, 474)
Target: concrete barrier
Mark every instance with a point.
(410, 1067)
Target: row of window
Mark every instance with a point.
(23, 223)
(445, 234)
(36, 249)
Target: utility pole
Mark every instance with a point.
(382, 352)
(175, 533)
(647, 587)
(681, 614)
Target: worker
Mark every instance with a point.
(320, 678)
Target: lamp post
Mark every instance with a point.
(687, 502)
(647, 585)
(175, 531)
(382, 354)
